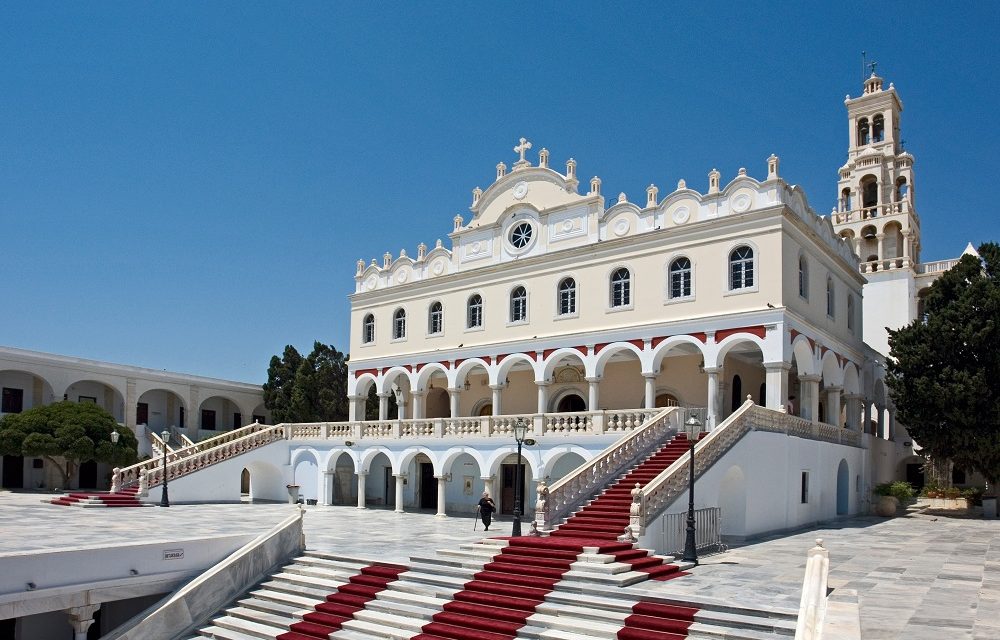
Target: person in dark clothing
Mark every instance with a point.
(486, 509)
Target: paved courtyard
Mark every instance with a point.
(917, 577)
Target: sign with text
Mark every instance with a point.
(173, 554)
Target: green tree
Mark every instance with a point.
(310, 389)
(66, 434)
(944, 368)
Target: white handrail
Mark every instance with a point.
(812, 606)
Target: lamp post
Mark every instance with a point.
(520, 431)
(164, 499)
(690, 546)
(114, 436)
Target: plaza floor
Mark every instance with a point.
(918, 577)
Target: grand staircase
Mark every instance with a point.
(126, 498)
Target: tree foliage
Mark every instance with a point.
(944, 368)
(75, 432)
(309, 389)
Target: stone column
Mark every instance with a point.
(453, 398)
(497, 390)
(776, 381)
(326, 497)
(881, 246)
(194, 415)
(400, 478)
(352, 408)
(361, 489)
(81, 618)
(131, 405)
(488, 485)
(593, 393)
(419, 406)
(866, 417)
(880, 429)
(853, 402)
(649, 396)
(442, 485)
(810, 397)
(712, 407)
(383, 406)
(401, 406)
(543, 395)
(891, 433)
(833, 405)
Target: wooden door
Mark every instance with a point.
(508, 482)
(428, 486)
(142, 414)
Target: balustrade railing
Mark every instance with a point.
(874, 211)
(707, 527)
(556, 502)
(650, 501)
(936, 267)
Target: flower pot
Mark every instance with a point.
(886, 506)
(293, 494)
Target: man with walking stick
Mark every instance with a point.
(486, 508)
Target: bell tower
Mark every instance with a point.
(875, 209)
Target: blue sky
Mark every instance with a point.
(187, 186)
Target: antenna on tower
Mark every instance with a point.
(864, 65)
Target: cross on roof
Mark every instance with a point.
(521, 148)
(872, 66)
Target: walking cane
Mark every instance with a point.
(476, 520)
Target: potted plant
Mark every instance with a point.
(293, 493)
(889, 495)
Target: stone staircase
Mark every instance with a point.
(90, 499)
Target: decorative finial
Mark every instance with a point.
(402, 253)
(361, 267)
(501, 170)
(386, 260)
(742, 171)
(437, 243)
(622, 197)
(521, 149)
(651, 193)
(421, 251)
(458, 223)
(772, 167)
(682, 184)
(713, 181)
(543, 158)
(595, 186)
(477, 193)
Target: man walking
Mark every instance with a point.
(486, 509)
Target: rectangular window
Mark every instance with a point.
(208, 419)
(90, 399)
(13, 400)
(260, 419)
(804, 498)
(237, 420)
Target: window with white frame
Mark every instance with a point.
(474, 317)
(621, 288)
(519, 305)
(567, 296)
(435, 319)
(368, 329)
(680, 278)
(803, 277)
(741, 268)
(399, 324)
(829, 297)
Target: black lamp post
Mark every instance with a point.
(520, 431)
(164, 499)
(690, 546)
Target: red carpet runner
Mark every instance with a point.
(341, 606)
(125, 498)
(655, 621)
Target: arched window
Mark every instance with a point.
(737, 399)
(845, 199)
(368, 329)
(829, 297)
(399, 324)
(621, 288)
(567, 296)
(741, 268)
(878, 128)
(680, 278)
(518, 305)
(864, 133)
(869, 193)
(474, 317)
(435, 319)
(803, 277)
(850, 312)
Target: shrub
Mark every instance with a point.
(974, 495)
(899, 489)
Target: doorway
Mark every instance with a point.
(13, 472)
(571, 403)
(245, 482)
(508, 482)
(389, 487)
(914, 474)
(142, 413)
(428, 486)
(88, 474)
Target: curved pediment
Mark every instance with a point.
(539, 188)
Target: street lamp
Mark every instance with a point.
(164, 499)
(114, 436)
(690, 546)
(520, 431)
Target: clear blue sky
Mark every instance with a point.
(187, 186)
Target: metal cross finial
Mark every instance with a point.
(521, 148)
(872, 66)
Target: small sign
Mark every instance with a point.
(173, 554)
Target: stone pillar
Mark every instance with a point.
(776, 381)
(833, 406)
(866, 417)
(593, 393)
(194, 415)
(400, 478)
(326, 497)
(352, 408)
(419, 406)
(880, 429)
(853, 402)
(712, 407)
(401, 406)
(649, 396)
(442, 485)
(891, 433)
(543, 395)
(81, 618)
(488, 485)
(881, 246)
(131, 405)
(361, 489)
(497, 390)
(383, 406)
(810, 397)
(453, 399)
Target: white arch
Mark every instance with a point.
(617, 347)
(833, 375)
(354, 384)
(850, 377)
(426, 372)
(723, 348)
(368, 455)
(560, 354)
(301, 452)
(384, 384)
(453, 453)
(505, 365)
(462, 370)
(407, 456)
(550, 457)
(530, 457)
(330, 464)
(802, 353)
(661, 350)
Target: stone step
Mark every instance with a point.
(297, 589)
(384, 625)
(260, 617)
(311, 581)
(276, 608)
(221, 633)
(249, 628)
(291, 599)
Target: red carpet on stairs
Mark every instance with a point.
(341, 606)
(656, 621)
(124, 498)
